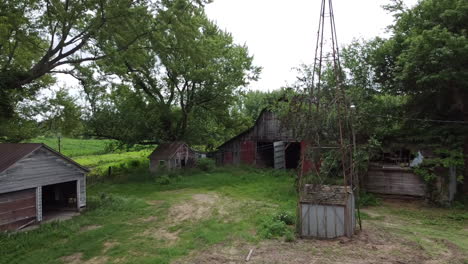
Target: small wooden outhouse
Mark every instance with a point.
(174, 155)
(327, 212)
(37, 182)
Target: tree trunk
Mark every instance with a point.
(465, 153)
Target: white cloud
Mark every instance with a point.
(281, 34)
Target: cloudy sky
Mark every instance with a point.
(281, 34)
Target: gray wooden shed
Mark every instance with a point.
(35, 182)
(173, 155)
(327, 212)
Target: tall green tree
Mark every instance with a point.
(186, 70)
(427, 59)
(42, 37)
(63, 116)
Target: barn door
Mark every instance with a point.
(279, 155)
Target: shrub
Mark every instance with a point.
(163, 180)
(206, 164)
(368, 199)
(289, 237)
(271, 228)
(133, 164)
(286, 218)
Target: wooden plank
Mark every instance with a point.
(39, 204)
(15, 225)
(395, 181)
(20, 203)
(21, 213)
(12, 196)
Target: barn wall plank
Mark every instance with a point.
(395, 181)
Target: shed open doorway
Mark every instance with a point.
(265, 155)
(292, 155)
(59, 199)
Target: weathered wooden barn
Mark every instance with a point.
(174, 155)
(267, 145)
(391, 179)
(327, 212)
(36, 182)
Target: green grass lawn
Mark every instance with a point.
(145, 220)
(131, 217)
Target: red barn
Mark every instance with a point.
(266, 145)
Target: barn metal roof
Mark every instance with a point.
(246, 131)
(10, 153)
(165, 151)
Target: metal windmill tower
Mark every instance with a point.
(323, 119)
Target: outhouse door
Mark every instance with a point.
(279, 155)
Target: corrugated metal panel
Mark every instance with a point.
(324, 221)
(280, 161)
(11, 153)
(328, 220)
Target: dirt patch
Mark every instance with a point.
(109, 245)
(198, 207)
(148, 219)
(365, 248)
(77, 259)
(154, 202)
(73, 259)
(161, 233)
(90, 228)
(97, 260)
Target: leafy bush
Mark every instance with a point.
(206, 164)
(368, 199)
(286, 218)
(289, 237)
(271, 228)
(133, 164)
(458, 216)
(163, 180)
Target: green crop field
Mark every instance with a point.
(76, 147)
(95, 154)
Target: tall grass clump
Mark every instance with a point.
(206, 164)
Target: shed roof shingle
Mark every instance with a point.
(10, 153)
(166, 150)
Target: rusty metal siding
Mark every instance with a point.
(394, 180)
(247, 152)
